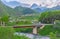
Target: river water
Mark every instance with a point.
(31, 36)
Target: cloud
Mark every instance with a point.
(43, 3)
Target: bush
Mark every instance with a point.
(23, 22)
(8, 33)
(25, 30)
(11, 23)
(52, 35)
(46, 30)
(57, 24)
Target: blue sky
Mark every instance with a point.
(43, 3)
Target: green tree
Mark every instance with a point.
(49, 16)
(4, 19)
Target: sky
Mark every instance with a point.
(43, 3)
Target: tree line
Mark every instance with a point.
(49, 16)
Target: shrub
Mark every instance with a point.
(8, 33)
(57, 24)
(25, 30)
(11, 23)
(46, 30)
(23, 22)
(53, 35)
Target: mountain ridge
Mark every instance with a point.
(23, 8)
(18, 11)
(14, 4)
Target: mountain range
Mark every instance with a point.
(42, 9)
(15, 12)
(14, 8)
(14, 4)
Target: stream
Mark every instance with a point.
(31, 36)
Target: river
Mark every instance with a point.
(32, 36)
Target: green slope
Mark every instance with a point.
(16, 12)
(2, 9)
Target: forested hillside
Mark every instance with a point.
(15, 12)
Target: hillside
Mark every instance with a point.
(2, 9)
(15, 12)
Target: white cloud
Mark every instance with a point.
(43, 3)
